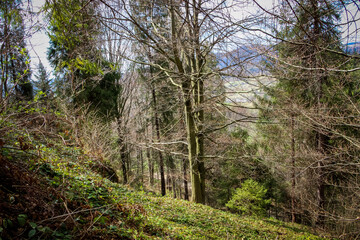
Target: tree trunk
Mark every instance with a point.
(197, 193)
(150, 161)
(200, 137)
(2, 73)
(150, 166)
(123, 154)
(193, 95)
(186, 189)
(142, 167)
(128, 162)
(123, 157)
(4, 61)
(161, 160)
(168, 178)
(293, 169)
(172, 175)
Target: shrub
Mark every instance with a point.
(250, 199)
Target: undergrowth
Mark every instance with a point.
(51, 189)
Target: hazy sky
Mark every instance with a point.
(39, 42)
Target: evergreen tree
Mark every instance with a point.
(71, 25)
(86, 77)
(43, 82)
(102, 95)
(14, 60)
(304, 103)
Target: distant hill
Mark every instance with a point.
(353, 47)
(244, 58)
(244, 74)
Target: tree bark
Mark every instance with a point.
(161, 160)
(193, 96)
(150, 167)
(186, 189)
(123, 155)
(4, 63)
(293, 182)
(172, 175)
(197, 190)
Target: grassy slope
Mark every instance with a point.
(63, 198)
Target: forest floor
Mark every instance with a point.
(50, 189)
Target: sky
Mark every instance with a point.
(39, 41)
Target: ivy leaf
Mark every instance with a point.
(22, 219)
(32, 224)
(32, 233)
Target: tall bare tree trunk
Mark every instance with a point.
(161, 160)
(142, 167)
(123, 154)
(193, 95)
(150, 166)
(168, 178)
(4, 58)
(200, 165)
(186, 189)
(197, 190)
(150, 161)
(172, 175)
(293, 182)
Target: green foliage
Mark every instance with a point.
(43, 84)
(22, 219)
(78, 66)
(250, 199)
(314, 25)
(102, 96)
(241, 162)
(240, 133)
(83, 74)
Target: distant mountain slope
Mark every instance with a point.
(353, 47)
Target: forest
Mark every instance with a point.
(180, 119)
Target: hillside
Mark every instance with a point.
(50, 189)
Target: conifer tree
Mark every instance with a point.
(14, 60)
(308, 66)
(76, 55)
(43, 82)
(73, 50)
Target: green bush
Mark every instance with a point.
(250, 199)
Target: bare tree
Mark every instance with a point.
(193, 31)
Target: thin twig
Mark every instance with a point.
(73, 213)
